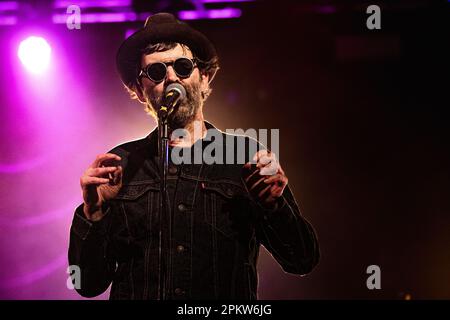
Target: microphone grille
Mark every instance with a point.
(176, 87)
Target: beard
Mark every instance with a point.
(185, 111)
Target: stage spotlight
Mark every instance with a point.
(34, 53)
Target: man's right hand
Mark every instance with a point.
(100, 182)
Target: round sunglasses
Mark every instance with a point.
(157, 71)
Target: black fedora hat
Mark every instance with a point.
(162, 27)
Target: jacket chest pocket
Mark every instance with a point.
(225, 207)
(138, 204)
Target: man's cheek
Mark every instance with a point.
(154, 97)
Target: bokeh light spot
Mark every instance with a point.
(34, 53)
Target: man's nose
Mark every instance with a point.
(171, 76)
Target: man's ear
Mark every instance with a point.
(204, 81)
(139, 93)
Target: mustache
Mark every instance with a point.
(185, 110)
(189, 92)
(158, 100)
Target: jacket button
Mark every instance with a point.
(179, 291)
(173, 169)
(180, 248)
(182, 207)
(229, 192)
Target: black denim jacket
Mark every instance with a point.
(216, 230)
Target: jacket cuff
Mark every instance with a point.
(85, 228)
(274, 213)
(278, 204)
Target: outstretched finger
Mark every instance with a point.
(275, 178)
(95, 172)
(85, 181)
(102, 157)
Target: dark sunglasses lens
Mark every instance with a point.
(183, 67)
(157, 71)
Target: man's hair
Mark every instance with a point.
(209, 67)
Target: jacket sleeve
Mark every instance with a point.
(288, 236)
(88, 251)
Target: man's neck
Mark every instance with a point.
(196, 130)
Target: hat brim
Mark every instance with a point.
(129, 53)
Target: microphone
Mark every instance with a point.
(174, 93)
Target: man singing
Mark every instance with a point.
(204, 243)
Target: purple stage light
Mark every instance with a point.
(93, 4)
(225, 1)
(226, 13)
(9, 6)
(34, 53)
(22, 166)
(8, 11)
(8, 20)
(129, 32)
(100, 17)
(39, 218)
(37, 274)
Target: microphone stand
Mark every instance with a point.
(163, 144)
(173, 93)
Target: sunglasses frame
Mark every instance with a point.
(144, 73)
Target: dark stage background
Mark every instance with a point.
(364, 138)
